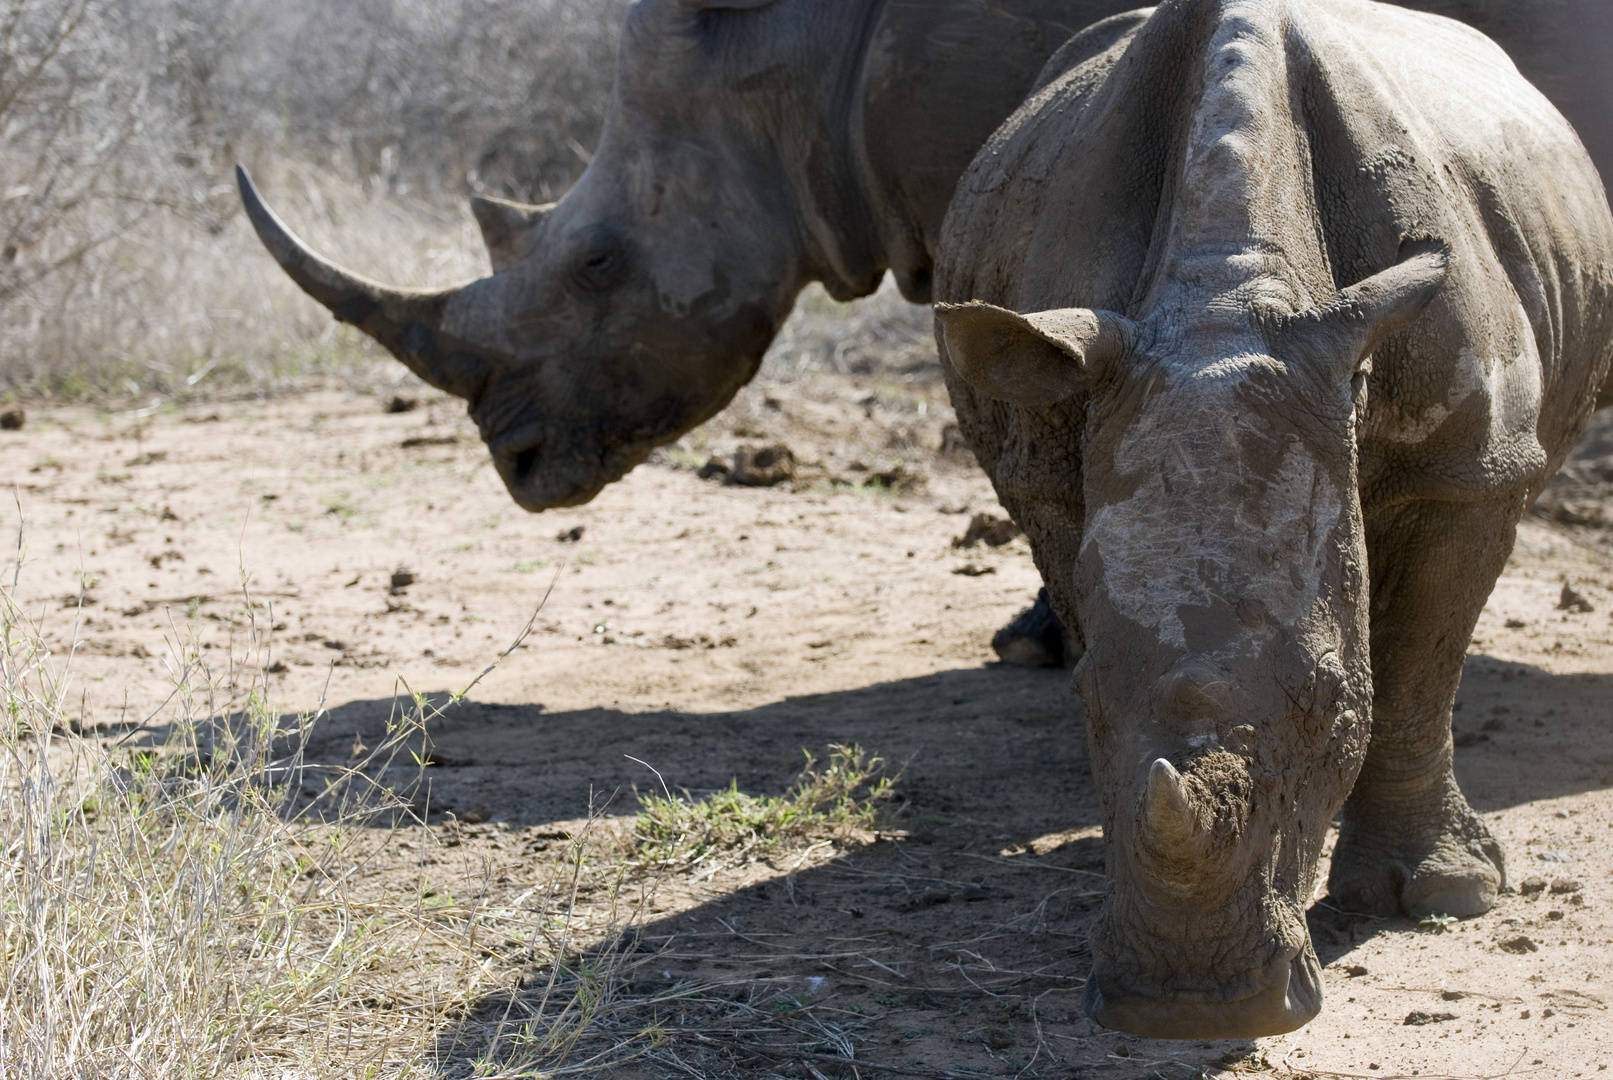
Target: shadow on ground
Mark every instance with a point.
(960, 951)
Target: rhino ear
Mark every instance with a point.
(506, 228)
(1036, 359)
(1388, 302)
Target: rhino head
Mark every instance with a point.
(634, 309)
(1222, 588)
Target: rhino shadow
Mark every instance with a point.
(958, 944)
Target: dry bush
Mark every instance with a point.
(126, 268)
(125, 265)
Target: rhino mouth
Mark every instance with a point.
(541, 473)
(1284, 995)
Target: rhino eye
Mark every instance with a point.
(599, 265)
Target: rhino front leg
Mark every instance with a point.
(1409, 842)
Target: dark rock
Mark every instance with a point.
(401, 579)
(1418, 1018)
(1573, 600)
(401, 404)
(1519, 944)
(1532, 886)
(571, 535)
(13, 419)
(714, 469)
(1564, 886)
(763, 467)
(993, 531)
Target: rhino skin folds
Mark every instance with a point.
(1268, 321)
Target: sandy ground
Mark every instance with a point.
(714, 632)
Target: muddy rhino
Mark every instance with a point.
(1320, 295)
(752, 147)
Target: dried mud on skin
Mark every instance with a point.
(714, 631)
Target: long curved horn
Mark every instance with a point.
(407, 321)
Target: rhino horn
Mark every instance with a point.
(507, 228)
(1169, 821)
(407, 321)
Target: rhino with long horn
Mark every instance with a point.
(751, 147)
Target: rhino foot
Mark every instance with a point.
(1035, 638)
(1386, 865)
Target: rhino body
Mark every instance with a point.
(750, 148)
(1321, 295)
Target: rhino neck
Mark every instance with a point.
(937, 79)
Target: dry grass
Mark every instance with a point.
(172, 904)
(192, 896)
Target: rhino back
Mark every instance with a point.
(1414, 126)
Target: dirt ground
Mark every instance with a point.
(714, 631)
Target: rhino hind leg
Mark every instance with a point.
(1409, 842)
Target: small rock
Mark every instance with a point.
(401, 579)
(278, 668)
(1554, 856)
(473, 816)
(1516, 624)
(714, 469)
(974, 891)
(1355, 971)
(13, 419)
(1532, 886)
(1573, 600)
(998, 1039)
(764, 467)
(1452, 995)
(974, 570)
(993, 531)
(954, 445)
(571, 535)
(1418, 1018)
(339, 646)
(1564, 886)
(401, 404)
(1520, 944)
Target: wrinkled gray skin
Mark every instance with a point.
(751, 146)
(1321, 299)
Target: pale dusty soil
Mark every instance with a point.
(714, 632)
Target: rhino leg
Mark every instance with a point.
(1409, 842)
(1036, 638)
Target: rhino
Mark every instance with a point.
(1268, 320)
(751, 147)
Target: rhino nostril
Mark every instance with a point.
(524, 461)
